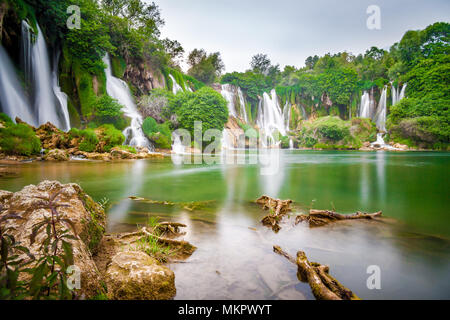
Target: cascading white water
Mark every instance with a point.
(402, 93)
(13, 100)
(61, 96)
(287, 115)
(270, 117)
(242, 109)
(380, 116)
(226, 140)
(291, 144)
(364, 111)
(118, 89)
(45, 105)
(396, 95)
(233, 94)
(25, 53)
(175, 86)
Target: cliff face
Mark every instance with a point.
(143, 77)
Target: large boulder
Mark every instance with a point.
(87, 217)
(134, 275)
(57, 155)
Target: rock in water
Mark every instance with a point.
(133, 275)
(57, 155)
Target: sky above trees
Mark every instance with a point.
(291, 30)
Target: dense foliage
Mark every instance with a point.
(17, 139)
(205, 105)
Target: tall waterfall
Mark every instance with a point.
(45, 104)
(364, 111)
(118, 89)
(13, 100)
(175, 86)
(270, 116)
(380, 116)
(61, 96)
(234, 94)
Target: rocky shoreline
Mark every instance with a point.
(110, 266)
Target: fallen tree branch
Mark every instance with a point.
(317, 218)
(278, 208)
(323, 285)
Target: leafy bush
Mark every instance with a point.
(109, 110)
(19, 139)
(160, 134)
(109, 137)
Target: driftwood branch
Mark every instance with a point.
(317, 218)
(323, 285)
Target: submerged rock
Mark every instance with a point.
(134, 275)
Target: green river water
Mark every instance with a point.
(234, 259)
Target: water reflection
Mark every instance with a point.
(234, 257)
(118, 213)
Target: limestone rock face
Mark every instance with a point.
(57, 155)
(133, 275)
(87, 216)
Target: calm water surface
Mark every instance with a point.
(234, 259)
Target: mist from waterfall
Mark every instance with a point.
(118, 89)
(13, 100)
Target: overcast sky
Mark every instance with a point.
(291, 30)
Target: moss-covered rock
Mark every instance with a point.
(134, 275)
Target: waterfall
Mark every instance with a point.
(304, 115)
(402, 93)
(291, 144)
(226, 141)
(287, 115)
(270, 116)
(380, 116)
(25, 53)
(61, 96)
(396, 95)
(233, 94)
(118, 89)
(13, 100)
(177, 146)
(175, 86)
(364, 111)
(44, 98)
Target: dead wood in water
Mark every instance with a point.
(317, 218)
(278, 208)
(323, 285)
